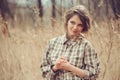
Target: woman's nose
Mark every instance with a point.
(75, 27)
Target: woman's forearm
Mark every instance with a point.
(77, 71)
(63, 64)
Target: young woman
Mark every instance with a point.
(71, 56)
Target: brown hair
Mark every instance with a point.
(83, 14)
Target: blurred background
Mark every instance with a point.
(26, 26)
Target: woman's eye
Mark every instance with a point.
(72, 22)
(80, 25)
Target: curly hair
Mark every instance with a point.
(83, 14)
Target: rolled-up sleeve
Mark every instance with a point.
(47, 72)
(91, 62)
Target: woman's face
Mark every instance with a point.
(74, 26)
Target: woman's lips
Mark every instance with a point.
(74, 31)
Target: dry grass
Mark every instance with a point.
(20, 54)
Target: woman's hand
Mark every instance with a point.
(61, 64)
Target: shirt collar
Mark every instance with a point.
(65, 40)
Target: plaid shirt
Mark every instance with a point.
(78, 52)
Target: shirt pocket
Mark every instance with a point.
(77, 59)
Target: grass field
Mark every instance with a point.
(20, 54)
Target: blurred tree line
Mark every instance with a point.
(99, 9)
(5, 10)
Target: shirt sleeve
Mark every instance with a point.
(91, 62)
(47, 72)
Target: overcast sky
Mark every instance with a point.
(45, 3)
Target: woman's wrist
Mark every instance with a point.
(54, 68)
(77, 71)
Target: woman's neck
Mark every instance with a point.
(72, 37)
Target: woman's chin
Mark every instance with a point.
(75, 34)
